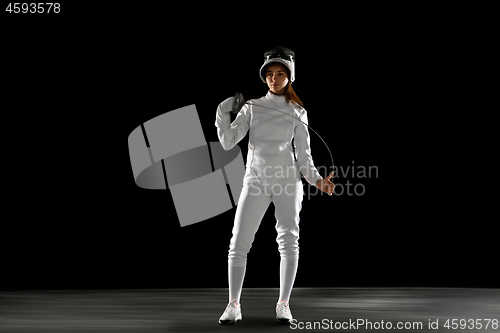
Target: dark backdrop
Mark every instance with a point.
(377, 87)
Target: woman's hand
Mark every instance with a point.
(326, 185)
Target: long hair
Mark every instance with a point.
(290, 95)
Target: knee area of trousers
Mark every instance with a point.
(289, 236)
(287, 249)
(239, 248)
(238, 256)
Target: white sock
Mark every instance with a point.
(236, 275)
(288, 269)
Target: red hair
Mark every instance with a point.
(290, 95)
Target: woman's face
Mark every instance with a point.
(276, 77)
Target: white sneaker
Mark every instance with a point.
(283, 313)
(232, 314)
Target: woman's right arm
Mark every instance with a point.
(231, 133)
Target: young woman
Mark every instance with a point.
(272, 175)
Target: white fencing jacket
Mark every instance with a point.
(270, 141)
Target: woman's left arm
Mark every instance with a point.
(304, 158)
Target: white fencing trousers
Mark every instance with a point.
(286, 193)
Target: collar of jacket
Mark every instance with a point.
(275, 98)
(299, 111)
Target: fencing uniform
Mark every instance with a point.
(272, 172)
(278, 151)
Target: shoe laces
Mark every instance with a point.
(232, 306)
(282, 307)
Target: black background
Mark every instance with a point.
(378, 87)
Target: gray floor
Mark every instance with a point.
(197, 310)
